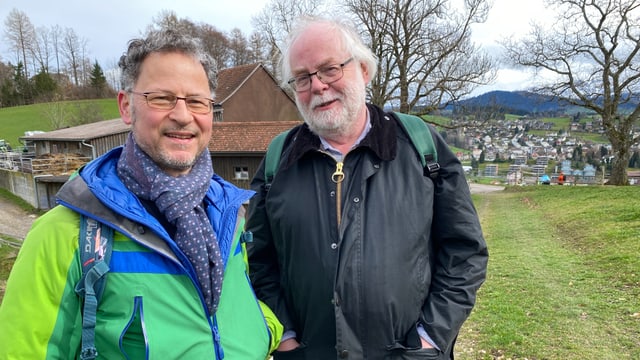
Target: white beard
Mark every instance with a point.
(340, 120)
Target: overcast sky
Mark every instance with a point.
(109, 25)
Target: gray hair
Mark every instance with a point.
(347, 36)
(164, 41)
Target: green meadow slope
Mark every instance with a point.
(14, 121)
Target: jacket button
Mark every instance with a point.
(334, 246)
(356, 200)
(344, 354)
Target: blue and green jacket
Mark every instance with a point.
(152, 306)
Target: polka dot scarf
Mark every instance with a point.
(180, 200)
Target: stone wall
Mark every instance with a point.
(24, 186)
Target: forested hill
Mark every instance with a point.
(524, 102)
(514, 102)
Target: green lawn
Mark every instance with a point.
(564, 275)
(14, 121)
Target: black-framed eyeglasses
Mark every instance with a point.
(167, 101)
(326, 74)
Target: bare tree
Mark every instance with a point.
(590, 56)
(216, 43)
(426, 57)
(41, 49)
(258, 47)
(275, 21)
(72, 52)
(168, 19)
(55, 35)
(6, 72)
(85, 64)
(239, 51)
(57, 112)
(21, 35)
(112, 74)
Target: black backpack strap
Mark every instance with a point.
(95, 247)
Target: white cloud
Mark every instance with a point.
(509, 18)
(109, 25)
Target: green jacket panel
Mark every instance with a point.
(40, 294)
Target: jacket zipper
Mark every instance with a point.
(337, 178)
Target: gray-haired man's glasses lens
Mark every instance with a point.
(327, 75)
(168, 101)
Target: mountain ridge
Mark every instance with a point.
(514, 102)
(524, 103)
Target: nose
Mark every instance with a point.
(181, 113)
(316, 83)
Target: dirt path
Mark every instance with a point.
(14, 222)
(482, 188)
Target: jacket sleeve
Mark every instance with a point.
(40, 313)
(275, 327)
(263, 266)
(460, 252)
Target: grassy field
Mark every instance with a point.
(563, 279)
(14, 121)
(564, 275)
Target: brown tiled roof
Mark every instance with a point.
(246, 137)
(230, 80)
(83, 132)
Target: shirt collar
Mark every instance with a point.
(325, 146)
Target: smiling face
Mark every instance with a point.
(172, 138)
(335, 109)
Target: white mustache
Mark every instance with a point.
(318, 100)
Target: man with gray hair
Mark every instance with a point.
(361, 251)
(176, 285)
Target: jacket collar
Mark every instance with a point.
(381, 139)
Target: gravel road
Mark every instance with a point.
(483, 189)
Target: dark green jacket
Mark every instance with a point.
(408, 251)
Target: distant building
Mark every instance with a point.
(237, 148)
(491, 170)
(250, 93)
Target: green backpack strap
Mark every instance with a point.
(95, 246)
(272, 158)
(417, 129)
(422, 140)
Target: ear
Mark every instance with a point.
(365, 73)
(124, 105)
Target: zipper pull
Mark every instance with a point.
(338, 176)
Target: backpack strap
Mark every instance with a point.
(272, 158)
(95, 246)
(422, 140)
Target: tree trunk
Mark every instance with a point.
(620, 162)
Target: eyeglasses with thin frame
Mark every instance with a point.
(167, 101)
(326, 74)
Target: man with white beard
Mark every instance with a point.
(358, 252)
